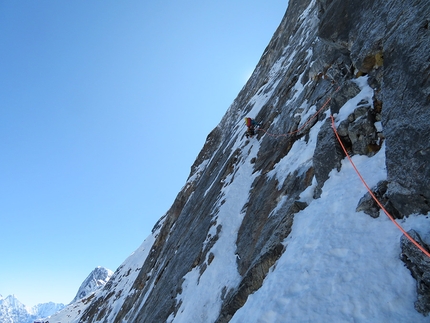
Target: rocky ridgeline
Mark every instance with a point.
(315, 55)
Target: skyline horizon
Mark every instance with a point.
(105, 108)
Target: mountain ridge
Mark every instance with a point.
(276, 227)
(13, 311)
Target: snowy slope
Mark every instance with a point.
(339, 265)
(222, 268)
(266, 229)
(13, 311)
(122, 280)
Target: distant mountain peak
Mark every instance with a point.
(95, 280)
(267, 228)
(13, 311)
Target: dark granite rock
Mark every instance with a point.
(344, 39)
(419, 265)
(328, 155)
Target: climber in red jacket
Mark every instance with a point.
(250, 123)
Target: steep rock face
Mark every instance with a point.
(419, 265)
(228, 225)
(390, 41)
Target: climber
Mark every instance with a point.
(250, 123)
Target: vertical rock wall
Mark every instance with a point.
(316, 52)
(389, 40)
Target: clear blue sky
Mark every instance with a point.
(104, 106)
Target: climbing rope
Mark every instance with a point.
(352, 163)
(305, 124)
(373, 195)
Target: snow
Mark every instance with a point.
(130, 269)
(366, 94)
(298, 87)
(13, 311)
(339, 265)
(299, 157)
(198, 171)
(222, 269)
(307, 12)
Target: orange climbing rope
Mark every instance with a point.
(305, 124)
(373, 195)
(353, 165)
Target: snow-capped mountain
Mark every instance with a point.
(13, 311)
(281, 227)
(95, 280)
(46, 309)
